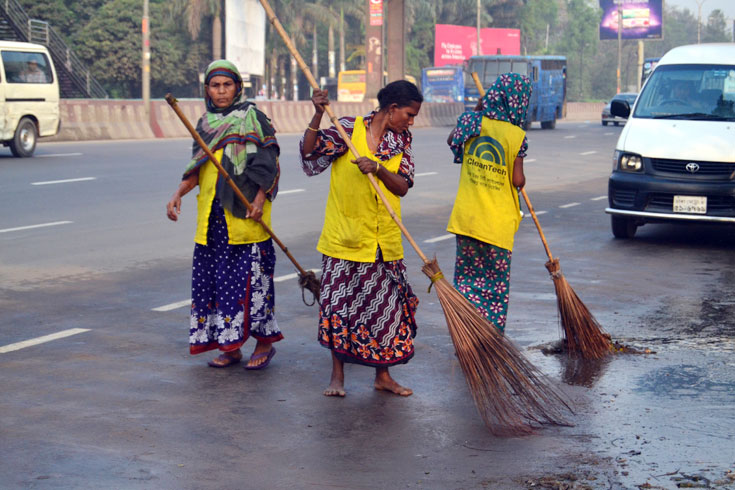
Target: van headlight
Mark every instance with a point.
(628, 162)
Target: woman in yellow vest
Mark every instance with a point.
(366, 313)
(234, 259)
(490, 144)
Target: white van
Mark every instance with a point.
(29, 96)
(675, 158)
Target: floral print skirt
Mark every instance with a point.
(366, 311)
(482, 275)
(232, 293)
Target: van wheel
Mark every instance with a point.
(23, 143)
(623, 227)
(549, 124)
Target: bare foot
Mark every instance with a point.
(337, 382)
(384, 382)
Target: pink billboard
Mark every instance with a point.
(454, 44)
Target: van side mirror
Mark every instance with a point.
(620, 108)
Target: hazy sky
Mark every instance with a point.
(727, 7)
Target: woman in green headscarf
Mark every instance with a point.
(234, 259)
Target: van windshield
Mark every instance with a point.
(695, 92)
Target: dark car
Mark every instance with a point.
(607, 117)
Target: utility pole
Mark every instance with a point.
(479, 12)
(620, 39)
(373, 48)
(699, 19)
(146, 62)
(396, 45)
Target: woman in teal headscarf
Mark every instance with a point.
(490, 143)
(234, 259)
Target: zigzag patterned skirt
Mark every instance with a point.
(366, 313)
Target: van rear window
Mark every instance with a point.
(25, 67)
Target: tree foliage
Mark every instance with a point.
(106, 35)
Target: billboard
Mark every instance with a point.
(641, 19)
(245, 36)
(454, 44)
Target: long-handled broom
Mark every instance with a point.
(584, 337)
(511, 395)
(307, 279)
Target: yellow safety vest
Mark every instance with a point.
(356, 221)
(486, 206)
(240, 231)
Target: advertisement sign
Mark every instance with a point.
(245, 36)
(376, 12)
(641, 19)
(454, 44)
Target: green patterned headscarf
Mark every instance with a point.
(251, 151)
(506, 100)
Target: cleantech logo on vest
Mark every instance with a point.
(486, 153)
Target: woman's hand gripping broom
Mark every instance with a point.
(584, 337)
(511, 395)
(307, 279)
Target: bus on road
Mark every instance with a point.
(548, 76)
(443, 83)
(351, 85)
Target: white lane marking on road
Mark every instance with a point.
(50, 155)
(48, 182)
(30, 227)
(41, 340)
(291, 276)
(539, 213)
(529, 160)
(425, 174)
(571, 136)
(292, 191)
(570, 205)
(439, 238)
(598, 198)
(173, 306)
(588, 152)
(609, 134)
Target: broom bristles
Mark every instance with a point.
(512, 396)
(309, 282)
(583, 336)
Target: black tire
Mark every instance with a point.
(604, 123)
(24, 141)
(549, 124)
(616, 123)
(527, 125)
(623, 227)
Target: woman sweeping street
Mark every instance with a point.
(367, 307)
(490, 144)
(232, 278)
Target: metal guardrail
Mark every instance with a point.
(38, 31)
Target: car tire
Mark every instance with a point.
(604, 123)
(616, 123)
(623, 227)
(549, 124)
(24, 141)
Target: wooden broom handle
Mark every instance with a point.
(481, 91)
(175, 106)
(307, 73)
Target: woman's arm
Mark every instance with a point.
(393, 182)
(173, 208)
(319, 98)
(519, 178)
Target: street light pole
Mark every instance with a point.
(620, 39)
(146, 62)
(479, 10)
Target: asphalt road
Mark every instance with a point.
(119, 403)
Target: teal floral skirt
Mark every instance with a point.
(482, 275)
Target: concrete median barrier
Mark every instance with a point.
(96, 119)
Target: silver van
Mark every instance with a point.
(29, 96)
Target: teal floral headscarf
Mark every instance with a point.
(506, 100)
(251, 151)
